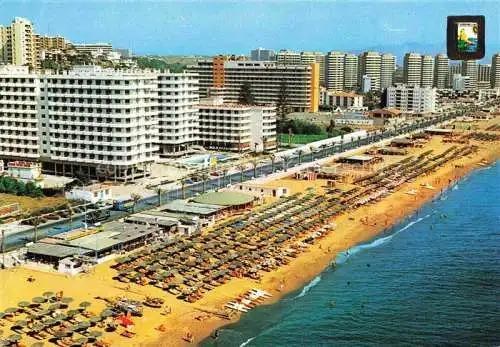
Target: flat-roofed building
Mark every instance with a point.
(441, 71)
(412, 69)
(19, 122)
(297, 85)
(470, 69)
(261, 54)
(237, 127)
(342, 99)
(178, 101)
(411, 98)
(483, 76)
(17, 43)
(334, 70)
(99, 121)
(427, 71)
(287, 57)
(350, 72)
(387, 68)
(369, 64)
(495, 71)
(94, 49)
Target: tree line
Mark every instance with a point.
(9, 185)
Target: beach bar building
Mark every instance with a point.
(52, 253)
(227, 201)
(404, 142)
(99, 244)
(259, 190)
(439, 131)
(363, 160)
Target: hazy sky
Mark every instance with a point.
(210, 27)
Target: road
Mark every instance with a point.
(18, 240)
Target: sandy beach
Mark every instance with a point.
(154, 329)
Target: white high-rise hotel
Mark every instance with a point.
(177, 112)
(101, 123)
(88, 121)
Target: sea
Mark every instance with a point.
(433, 279)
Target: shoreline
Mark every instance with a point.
(442, 180)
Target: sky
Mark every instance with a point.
(206, 27)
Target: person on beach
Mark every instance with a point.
(189, 337)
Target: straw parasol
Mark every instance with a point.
(67, 300)
(37, 327)
(10, 311)
(23, 304)
(48, 295)
(54, 306)
(72, 313)
(14, 338)
(39, 300)
(94, 320)
(20, 324)
(106, 313)
(85, 304)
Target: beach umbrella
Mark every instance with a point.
(123, 260)
(37, 327)
(94, 319)
(83, 325)
(82, 341)
(106, 313)
(94, 334)
(60, 317)
(11, 310)
(14, 338)
(61, 333)
(20, 323)
(23, 304)
(72, 313)
(50, 322)
(67, 300)
(54, 307)
(39, 300)
(48, 295)
(43, 313)
(85, 304)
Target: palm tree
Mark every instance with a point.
(225, 170)
(273, 160)
(71, 212)
(312, 149)
(242, 168)
(36, 222)
(183, 188)
(254, 163)
(158, 192)
(135, 198)
(285, 158)
(204, 177)
(300, 152)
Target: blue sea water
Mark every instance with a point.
(433, 279)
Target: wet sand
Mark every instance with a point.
(349, 232)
